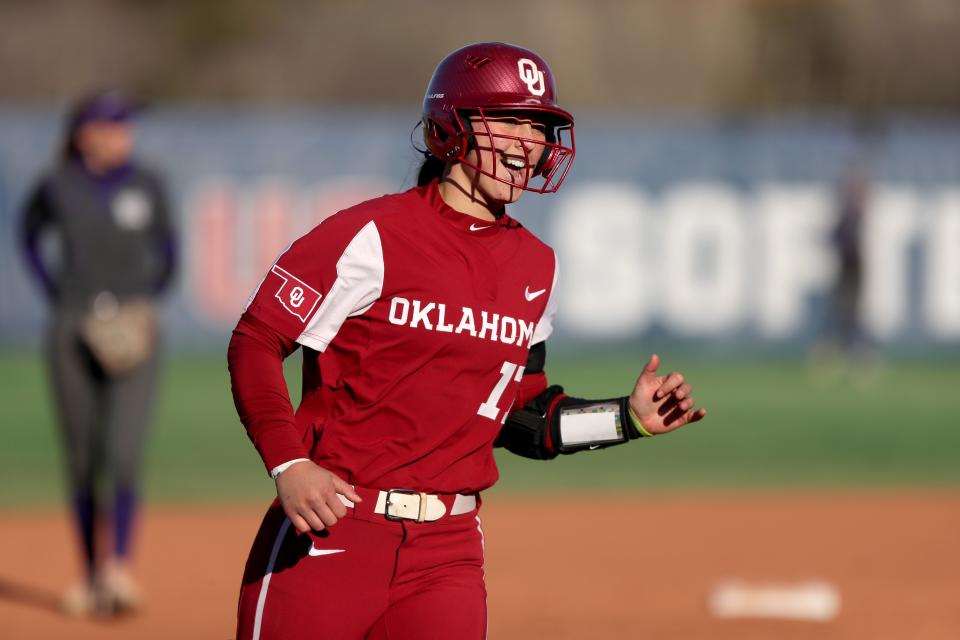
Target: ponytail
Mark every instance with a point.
(431, 169)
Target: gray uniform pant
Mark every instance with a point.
(103, 419)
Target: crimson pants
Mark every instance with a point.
(366, 578)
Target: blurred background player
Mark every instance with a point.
(847, 239)
(843, 347)
(96, 233)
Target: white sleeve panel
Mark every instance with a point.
(358, 285)
(545, 325)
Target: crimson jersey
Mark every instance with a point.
(416, 321)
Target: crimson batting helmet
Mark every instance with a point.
(496, 78)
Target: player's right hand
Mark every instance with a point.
(309, 497)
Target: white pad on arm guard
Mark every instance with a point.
(554, 423)
(593, 425)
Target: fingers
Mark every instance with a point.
(325, 502)
(647, 380)
(311, 498)
(680, 417)
(670, 383)
(346, 490)
(652, 365)
(317, 515)
(304, 520)
(334, 505)
(683, 391)
(664, 403)
(298, 523)
(674, 419)
(689, 417)
(326, 512)
(314, 520)
(674, 412)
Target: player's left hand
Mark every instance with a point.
(663, 403)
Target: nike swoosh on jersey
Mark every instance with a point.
(323, 552)
(532, 295)
(474, 227)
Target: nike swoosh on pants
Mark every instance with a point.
(324, 552)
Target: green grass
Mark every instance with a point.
(775, 425)
(770, 426)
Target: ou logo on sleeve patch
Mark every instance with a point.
(295, 295)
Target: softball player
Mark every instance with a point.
(116, 253)
(422, 317)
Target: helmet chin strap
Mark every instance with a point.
(413, 139)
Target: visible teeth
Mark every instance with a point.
(514, 163)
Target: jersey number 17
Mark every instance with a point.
(489, 409)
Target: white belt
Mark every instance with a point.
(403, 504)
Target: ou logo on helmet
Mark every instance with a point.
(531, 76)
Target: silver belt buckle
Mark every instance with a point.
(397, 517)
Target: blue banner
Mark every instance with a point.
(698, 230)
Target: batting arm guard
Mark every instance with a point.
(553, 422)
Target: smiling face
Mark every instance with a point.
(505, 149)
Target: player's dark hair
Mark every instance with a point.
(68, 148)
(431, 169)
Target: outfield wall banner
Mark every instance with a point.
(699, 231)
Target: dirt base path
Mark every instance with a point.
(629, 567)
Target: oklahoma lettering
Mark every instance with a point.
(432, 316)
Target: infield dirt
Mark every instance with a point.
(597, 568)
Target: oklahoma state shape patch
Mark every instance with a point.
(295, 295)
